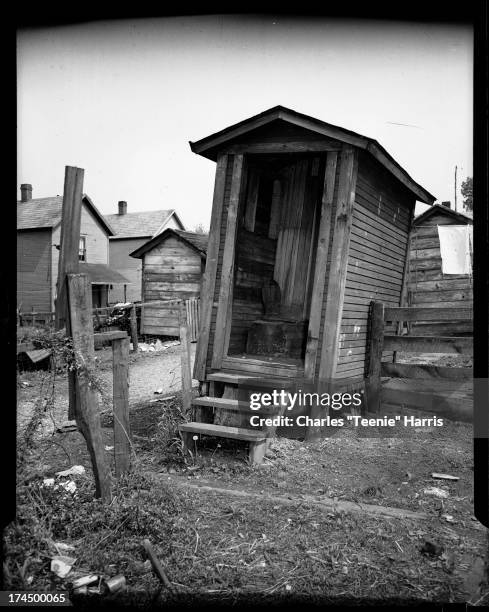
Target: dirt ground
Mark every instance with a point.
(227, 548)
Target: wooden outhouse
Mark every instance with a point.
(310, 222)
(173, 264)
(428, 286)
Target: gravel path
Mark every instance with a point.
(149, 372)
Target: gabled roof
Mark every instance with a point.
(141, 224)
(439, 209)
(45, 213)
(209, 146)
(101, 274)
(197, 241)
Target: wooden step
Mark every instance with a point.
(232, 404)
(235, 378)
(258, 439)
(221, 431)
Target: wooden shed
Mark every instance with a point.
(173, 264)
(310, 222)
(428, 286)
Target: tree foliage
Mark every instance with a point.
(466, 190)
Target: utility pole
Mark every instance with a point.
(455, 189)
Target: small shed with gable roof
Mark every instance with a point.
(173, 264)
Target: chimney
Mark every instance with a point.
(25, 192)
(122, 207)
(447, 204)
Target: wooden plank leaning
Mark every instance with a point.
(87, 413)
(68, 259)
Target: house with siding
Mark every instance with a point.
(428, 285)
(131, 231)
(38, 241)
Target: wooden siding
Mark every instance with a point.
(377, 256)
(130, 267)
(34, 252)
(97, 245)
(224, 218)
(171, 270)
(428, 287)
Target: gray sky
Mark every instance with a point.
(122, 99)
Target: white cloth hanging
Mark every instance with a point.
(455, 245)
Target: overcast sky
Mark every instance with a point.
(122, 99)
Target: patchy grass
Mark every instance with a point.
(217, 548)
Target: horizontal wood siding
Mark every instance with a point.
(170, 270)
(130, 267)
(376, 261)
(34, 270)
(428, 287)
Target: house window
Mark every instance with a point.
(82, 249)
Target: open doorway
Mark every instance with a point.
(276, 244)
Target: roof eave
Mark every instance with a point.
(208, 146)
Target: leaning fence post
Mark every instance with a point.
(87, 412)
(185, 358)
(122, 430)
(375, 346)
(134, 329)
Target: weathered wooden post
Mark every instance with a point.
(122, 430)
(185, 358)
(87, 413)
(376, 343)
(134, 329)
(68, 259)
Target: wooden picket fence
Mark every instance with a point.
(431, 389)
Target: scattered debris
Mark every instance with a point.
(431, 549)
(436, 492)
(117, 583)
(449, 518)
(62, 547)
(84, 581)
(61, 566)
(48, 482)
(69, 486)
(67, 426)
(158, 569)
(444, 476)
(75, 470)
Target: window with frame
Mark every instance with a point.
(82, 249)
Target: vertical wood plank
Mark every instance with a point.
(403, 301)
(122, 428)
(69, 238)
(251, 202)
(209, 279)
(321, 266)
(374, 352)
(134, 329)
(68, 260)
(185, 359)
(87, 412)
(223, 319)
(339, 261)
